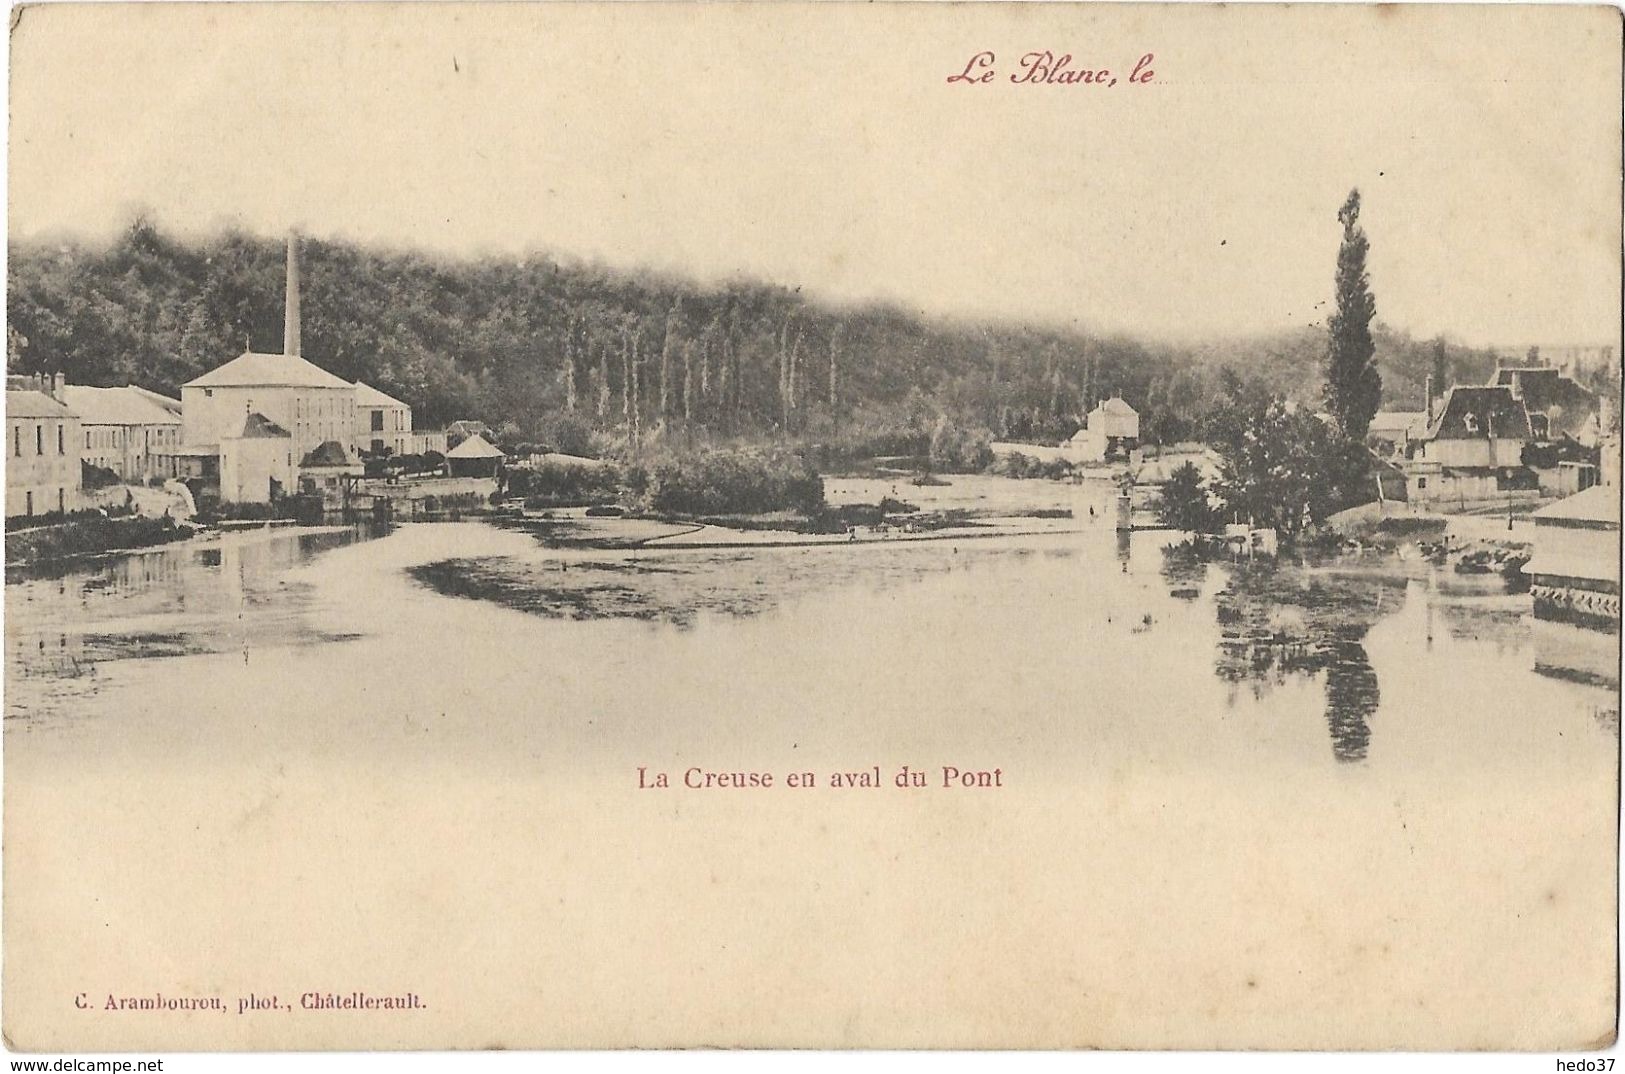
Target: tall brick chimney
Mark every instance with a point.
(290, 323)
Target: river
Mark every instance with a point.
(1361, 803)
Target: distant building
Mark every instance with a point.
(474, 457)
(305, 403)
(458, 431)
(257, 462)
(382, 422)
(124, 430)
(1574, 573)
(311, 404)
(427, 440)
(1570, 359)
(1111, 427)
(42, 434)
(1392, 432)
(1557, 405)
(330, 471)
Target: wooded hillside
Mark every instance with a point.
(569, 352)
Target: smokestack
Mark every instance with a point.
(290, 324)
(1428, 389)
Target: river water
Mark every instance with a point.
(1355, 804)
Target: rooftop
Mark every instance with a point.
(253, 369)
(128, 405)
(1470, 412)
(1599, 503)
(32, 404)
(475, 447)
(367, 395)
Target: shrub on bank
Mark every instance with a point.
(565, 481)
(89, 532)
(728, 482)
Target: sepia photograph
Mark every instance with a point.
(838, 526)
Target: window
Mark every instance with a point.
(17, 440)
(39, 439)
(61, 438)
(1421, 482)
(28, 500)
(61, 501)
(377, 421)
(87, 438)
(377, 445)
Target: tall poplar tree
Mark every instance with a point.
(1353, 386)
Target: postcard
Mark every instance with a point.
(843, 526)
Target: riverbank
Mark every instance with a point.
(89, 534)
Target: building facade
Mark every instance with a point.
(42, 460)
(124, 430)
(383, 423)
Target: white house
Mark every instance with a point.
(1110, 427)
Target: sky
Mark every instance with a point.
(824, 146)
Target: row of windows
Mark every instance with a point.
(39, 439)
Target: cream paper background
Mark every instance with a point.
(270, 841)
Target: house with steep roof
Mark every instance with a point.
(124, 429)
(1473, 449)
(42, 455)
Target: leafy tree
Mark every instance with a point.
(1184, 503)
(1353, 386)
(1280, 465)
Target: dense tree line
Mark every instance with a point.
(579, 355)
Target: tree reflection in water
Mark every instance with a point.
(1289, 620)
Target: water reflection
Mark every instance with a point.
(1301, 621)
(169, 601)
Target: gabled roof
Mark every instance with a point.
(252, 369)
(367, 395)
(1117, 407)
(31, 404)
(327, 453)
(258, 426)
(467, 427)
(1470, 412)
(475, 447)
(117, 406)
